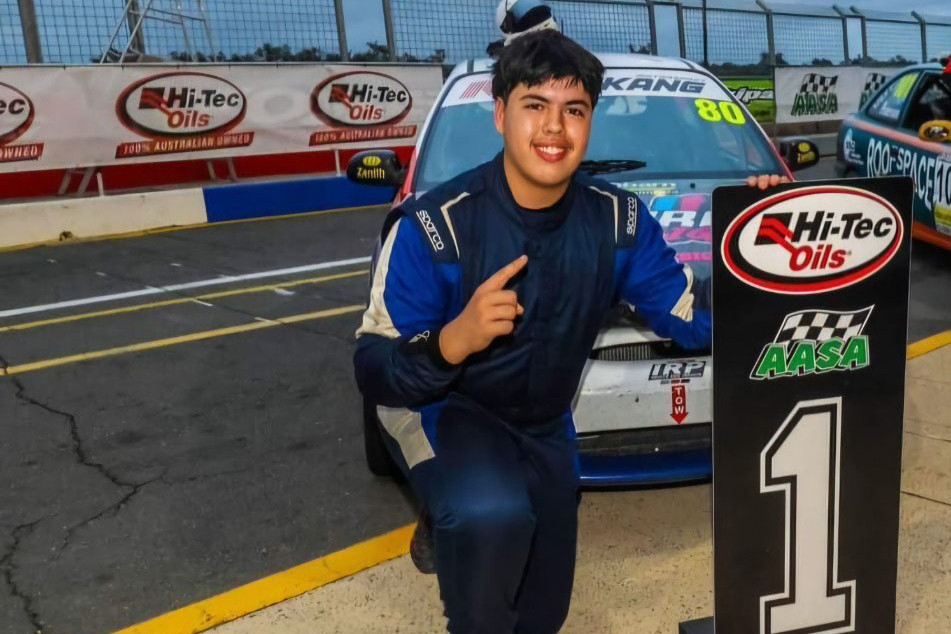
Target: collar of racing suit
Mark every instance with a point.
(538, 221)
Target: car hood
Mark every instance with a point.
(683, 209)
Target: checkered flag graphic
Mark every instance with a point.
(873, 82)
(822, 325)
(818, 84)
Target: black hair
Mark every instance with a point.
(541, 56)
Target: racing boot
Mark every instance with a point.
(421, 548)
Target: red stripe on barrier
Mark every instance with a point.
(116, 178)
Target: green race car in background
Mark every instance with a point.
(905, 129)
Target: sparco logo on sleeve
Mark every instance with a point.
(361, 98)
(812, 240)
(431, 230)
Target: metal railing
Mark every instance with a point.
(745, 36)
(73, 32)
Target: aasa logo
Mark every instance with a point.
(812, 239)
(873, 81)
(361, 98)
(814, 342)
(816, 96)
(181, 104)
(16, 114)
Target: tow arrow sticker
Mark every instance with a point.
(678, 397)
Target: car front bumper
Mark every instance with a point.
(627, 432)
(660, 455)
(617, 395)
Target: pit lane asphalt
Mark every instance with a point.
(143, 481)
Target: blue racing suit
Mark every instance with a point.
(489, 444)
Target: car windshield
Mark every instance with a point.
(680, 123)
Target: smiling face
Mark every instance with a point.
(545, 130)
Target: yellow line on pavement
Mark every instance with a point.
(279, 587)
(161, 343)
(256, 595)
(929, 344)
(181, 300)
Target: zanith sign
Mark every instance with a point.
(812, 239)
(810, 302)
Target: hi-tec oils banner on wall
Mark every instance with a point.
(825, 93)
(810, 306)
(83, 116)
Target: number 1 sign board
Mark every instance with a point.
(810, 306)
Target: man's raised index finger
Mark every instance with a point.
(503, 275)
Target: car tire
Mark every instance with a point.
(379, 460)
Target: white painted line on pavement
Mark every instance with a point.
(155, 290)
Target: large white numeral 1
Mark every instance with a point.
(801, 460)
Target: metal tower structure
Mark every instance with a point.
(172, 12)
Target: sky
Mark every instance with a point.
(74, 32)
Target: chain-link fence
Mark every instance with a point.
(736, 36)
(809, 39)
(938, 39)
(733, 37)
(71, 32)
(12, 50)
(450, 30)
(616, 27)
(893, 39)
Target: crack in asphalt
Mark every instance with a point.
(82, 457)
(112, 509)
(78, 448)
(926, 498)
(9, 571)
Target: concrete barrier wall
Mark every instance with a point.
(29, 223)
(23, 224)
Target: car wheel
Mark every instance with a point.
(378, 456)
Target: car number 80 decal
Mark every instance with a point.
(716, 111)
(801, 461)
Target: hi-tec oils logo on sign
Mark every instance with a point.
(812, 239)
(182, 112)
(816, 96)
(367, 104)
(16, 117)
